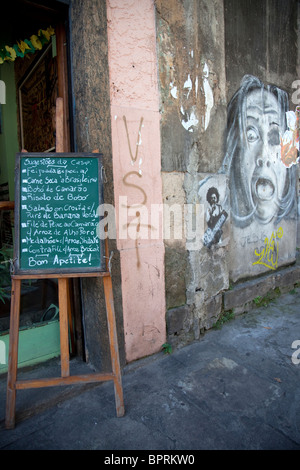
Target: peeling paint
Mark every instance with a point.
(290, 140)
(205, 70)
(173, 90)
(192, 121)
(196, 86)
(209, 97)
(188, 84)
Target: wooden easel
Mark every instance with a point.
(64, 314)
(65, 379)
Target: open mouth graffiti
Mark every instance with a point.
(264, 188)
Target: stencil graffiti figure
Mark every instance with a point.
(215, 218)
(262, 187)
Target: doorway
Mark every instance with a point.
(34, 78)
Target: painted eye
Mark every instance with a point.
(252, 134)
(274, 138)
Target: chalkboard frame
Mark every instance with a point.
(17, 269)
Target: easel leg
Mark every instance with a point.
(13, 354)
(63, 326)
(113, 341)
(70, 319)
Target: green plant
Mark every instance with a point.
(258, 301)
(264, 301)
(224, 318)
(167, 348)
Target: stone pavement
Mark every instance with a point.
(236, 388)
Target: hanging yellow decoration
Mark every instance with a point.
(12, 53)
(36, 42)
(22, 46)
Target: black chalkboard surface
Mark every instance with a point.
(57, 196)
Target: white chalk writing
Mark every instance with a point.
(58, 212)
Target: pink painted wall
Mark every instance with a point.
(135, 122)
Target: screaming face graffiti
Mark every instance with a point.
(262, 187)
(262, 153)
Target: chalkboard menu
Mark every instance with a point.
(57, 197)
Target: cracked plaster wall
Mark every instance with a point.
(204, 48)
(191, 57)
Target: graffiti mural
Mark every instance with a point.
(215, 218)
(269, 255)
(262, 184)
(260, 161)
(212, 194)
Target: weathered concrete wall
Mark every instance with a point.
(191, 55)
(239, 173)
(262, 173)
(263, 178)
(117, 112)
(190, 37)
(261, 40)
(297, 102)
(136, 164)
(153, 87)
(93, 131)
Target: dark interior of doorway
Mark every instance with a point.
(39, 80)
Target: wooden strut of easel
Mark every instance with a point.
(64, 311)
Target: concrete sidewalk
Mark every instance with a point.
(237, 388)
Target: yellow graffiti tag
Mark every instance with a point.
(269, 255)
